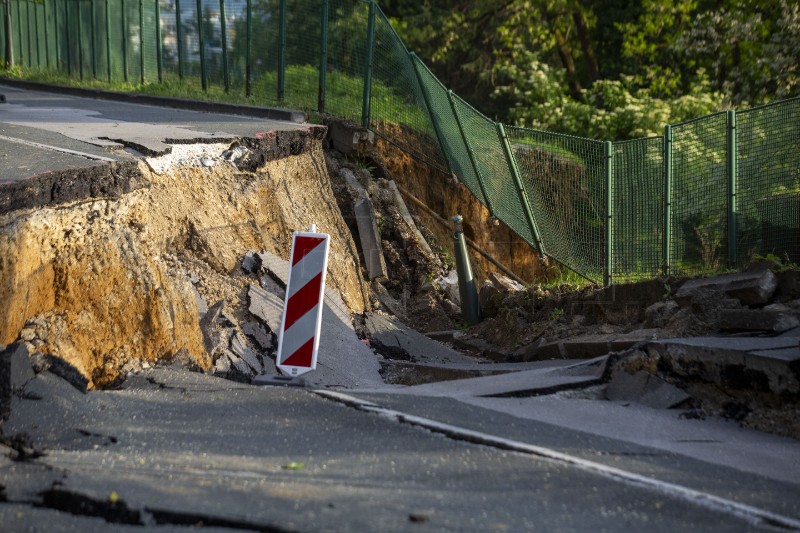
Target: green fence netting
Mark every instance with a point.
(708, 195)
(638, 209)
(768, 181)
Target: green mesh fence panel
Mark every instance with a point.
(265, 41)
(398, 110)
(502, 196)
(236, 34)
(451, 140)
(638, 214)
(169, 40)
(768, 162)
(212, 42)
(149, 41)
(303, 46)
(699, 196)
(347, 55)
(564, 178)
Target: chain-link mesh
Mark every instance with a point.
(768, 192)
(451, 139)
(347, 57)
(398, 109)
(564, 178)
(699, 196)
(638, 214)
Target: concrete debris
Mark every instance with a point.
(589, 345)
(240, 347)
(398, 201)
(750, 288)
(251, 262)
(215, 338)
(659, 314)
(350, 140)
(202, 306)
(266, 306)
(449, 284)
(354, 187)
(259, 335)
(387, 301)
(15, 372)
(757, 320)
(237, 363)
(370, 240)
(505, 284)
(489, 298)
(395, 340)
(644, 388)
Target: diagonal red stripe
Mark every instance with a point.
(302, 246)
(303, 355)
(303, 301)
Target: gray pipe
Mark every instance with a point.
(470, 306)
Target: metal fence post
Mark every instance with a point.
(28, 31)
(36, 29)
(666, 243)
(248, 89)
(108, 40)
(124, 12)
(94, 45)
(367, 94)
(730, 153)
(523, 195)
(470, 153)
(159, 46)
(224, 32)
(323, 58)
(201, 38)
(179, 35)
(58, 40)
(608, 270)
(141, 41)
(436, 129)
(282, 52)
(80, 38)
(19, 34)
(46, 38)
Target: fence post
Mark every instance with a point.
(470, 153)
(28, 31)
(248, 89)
(323, 57)
(282, 52)
(141, 40)
(365, 107)
(732, 186)
(202, 40)
(46, 38)
(436, 129)
(224, 32)
(523, 195)
(124, 34)
(80, 38)
(58, 40)
(8, 34)
(36, 29)
(19, 34)
(666, 249)
(159, 46)
(108, 41)
(179, 35)
(94, 45)
(608, 271)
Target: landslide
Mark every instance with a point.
(101, 281)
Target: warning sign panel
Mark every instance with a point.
(298, 339)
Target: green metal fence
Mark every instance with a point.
(708, 195)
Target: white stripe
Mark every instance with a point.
(753, 515)
(308, 267)
(297, 335)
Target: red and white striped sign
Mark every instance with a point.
(298, 340)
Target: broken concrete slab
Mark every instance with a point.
(478, 346)
(259, 335)
(389, 302)
(402, 208)
(757, 320)
(645, 389)
(208, 327)
(390, 335)
(250, 262)
(15, 372)
(750, 288)
(766, 364)
(357, 190)
(240, 347)
(266, 306)
(590, 345)
(350, 140)
(370, 238)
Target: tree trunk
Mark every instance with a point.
(569, 64)
(586, 44)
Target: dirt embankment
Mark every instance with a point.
(103, 280)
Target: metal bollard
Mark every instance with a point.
(470, 306)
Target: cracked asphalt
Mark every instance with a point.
(172, 449)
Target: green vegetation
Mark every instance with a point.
(607, 70)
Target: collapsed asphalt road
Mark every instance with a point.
(174, 448)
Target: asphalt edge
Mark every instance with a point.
(272, 113)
